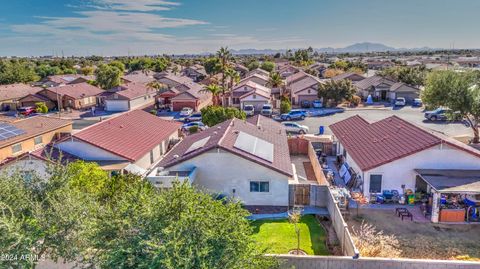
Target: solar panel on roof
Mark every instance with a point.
(198, 144)
(8, 131)
(254, 146)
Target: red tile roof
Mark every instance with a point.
(134, 90)
(17, 91)
(224, 136)
(373, 144)
(130, 135)
(77, 91)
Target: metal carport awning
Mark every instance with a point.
(451, 180)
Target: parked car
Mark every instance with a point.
(417, 102)
(305, 104)
(294, 115)
(400, 101)
(267, 110)
(249, 110)
(317, 104)
(441, 114)
(293, 127)
(194, 117)
(26, 111)
(199, 124)
(186, 111)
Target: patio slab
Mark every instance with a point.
(308, 210)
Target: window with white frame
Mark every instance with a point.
(259, 186)
(17, 148)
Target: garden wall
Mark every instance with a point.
(334, 262)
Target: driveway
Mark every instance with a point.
(413, 115)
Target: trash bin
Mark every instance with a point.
(321, 130)
(411, 199)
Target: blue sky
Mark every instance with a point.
(137, 27)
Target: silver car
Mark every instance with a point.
(293, 127)
(249, 110)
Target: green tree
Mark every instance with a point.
(224, 55)
(268, 66)
(336, 91)
(160, 64)
(415, 76)
(285, 105)
(118, 64)
(213, 115)
(44, 70)
(17, 71)
(215, 90)
(212, 66)
(40, 107)
(458, 91)
(88, 70)
(233, 78)
(253, 65)
(108, 76)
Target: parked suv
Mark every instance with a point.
(194, 117)
(400, 101)
(249, 110)
(267, 110)
(293, 115)
(293, 127)
(186, 111)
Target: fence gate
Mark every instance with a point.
(301, 194)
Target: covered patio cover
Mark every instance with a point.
(451, 180)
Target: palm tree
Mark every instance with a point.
(233, 76)
(276, 81)
(215, 90)
(224, 55)
(155, 85)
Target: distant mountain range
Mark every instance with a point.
(355, 48)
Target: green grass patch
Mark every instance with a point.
(279, 237)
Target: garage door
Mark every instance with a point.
(309, 98)
(256, 104)
(116, 105)
(178, 105)
(409, 96)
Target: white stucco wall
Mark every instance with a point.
(141, 101)
(39, 167)
(87, 151)
(221, 171)
(401, 171)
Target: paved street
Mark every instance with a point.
(414, 115)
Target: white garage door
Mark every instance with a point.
(116, 105)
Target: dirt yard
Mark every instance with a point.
(424, 240)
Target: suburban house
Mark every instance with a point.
(250, 93)
(144, 77)
(352, 76)
(393, 154)
(385, 89)
(287, 70)
(25, 135)
(303, 87)
(244, 160)
(258, 71)
(10, 95)
(61, 80)
(379, 64)
(172, 80)
(34, 98)
(132, 142)
(241, 69)
(74, 96)
(129, 96)
(193, 96)
(196, 72)
(257, 78)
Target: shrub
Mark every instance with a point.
(193, 129)
(356, 100)
(41, 107)
(373, 243)
(213, 115)
(154, 112)
(285, 106)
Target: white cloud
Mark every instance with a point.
(134, 5)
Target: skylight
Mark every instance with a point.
(198, 144)
(254, 146)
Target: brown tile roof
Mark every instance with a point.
(140, 77)
(373, 81)
(67, 78)
(77, 91)
(33, 127)
(17, 91)
(134, 90)
(295, 77)
(373, 144)
(130, 135)
(224, 136)
(348, 75)
(304, 83)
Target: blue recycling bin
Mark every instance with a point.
(321, 130)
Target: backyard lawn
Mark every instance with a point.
(279, 236)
